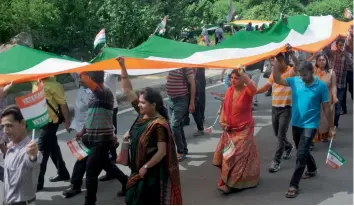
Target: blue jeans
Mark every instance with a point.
(338, 106)
(177, 109)
(303, 138)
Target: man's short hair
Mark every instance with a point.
(340, 40)
(306, 66)
(96, 76)
(13, 110)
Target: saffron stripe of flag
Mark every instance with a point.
(76, 150)
(334, 160)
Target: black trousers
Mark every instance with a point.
(281, 117)
(303, 138)
(349, 87)
(48, 145)
(96, 161)
(80, 170)
(1, 174)
(199, 113)
(113, 150)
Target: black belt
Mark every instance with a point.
(22, 202)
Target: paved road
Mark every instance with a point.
(199, 177)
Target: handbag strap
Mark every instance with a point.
(52, 108)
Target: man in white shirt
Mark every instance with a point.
(22, 160)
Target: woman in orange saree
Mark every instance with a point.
(238, 159)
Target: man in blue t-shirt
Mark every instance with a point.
(308, 94)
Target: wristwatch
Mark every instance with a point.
(33, 159)
(145, 166)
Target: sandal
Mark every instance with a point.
(309, 175)
(181, 157)
(225, 189)
(292, 192)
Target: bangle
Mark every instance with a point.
(123, 77)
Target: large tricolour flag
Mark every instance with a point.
(157, 54)
(334, 160)
(34, 108)
(100, 38)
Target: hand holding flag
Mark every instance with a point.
(348, 14)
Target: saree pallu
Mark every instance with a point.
(242, 169)
(161, 183)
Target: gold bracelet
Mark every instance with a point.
(123, 77)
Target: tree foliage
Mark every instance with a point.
(68, 27)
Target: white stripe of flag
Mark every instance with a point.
(334, 160)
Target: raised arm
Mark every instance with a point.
(251, 87)
(93, 86)
(277, 75)
(125, 81)
(293, 57)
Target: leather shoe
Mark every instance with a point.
(57, 178)
(71, 191)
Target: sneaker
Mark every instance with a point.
(198, 133)
(71, 191)
(287, 154)
(274, 167)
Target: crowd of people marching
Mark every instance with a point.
(310, 96)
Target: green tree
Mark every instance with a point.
(329, 7)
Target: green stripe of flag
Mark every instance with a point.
(38, 122)
(337, 156)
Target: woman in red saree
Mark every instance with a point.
(238, 159)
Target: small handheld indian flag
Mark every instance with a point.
(334, 160)
(162, 26)
(34, 108)
(347, 14)
(100, 38)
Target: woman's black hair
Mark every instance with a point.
(153, 96)
(327, 61)
(235, 72)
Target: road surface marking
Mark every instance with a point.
(196, 163)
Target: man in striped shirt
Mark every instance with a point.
(341, 61)
(281, 110)
(180, 101)
(100, 133)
